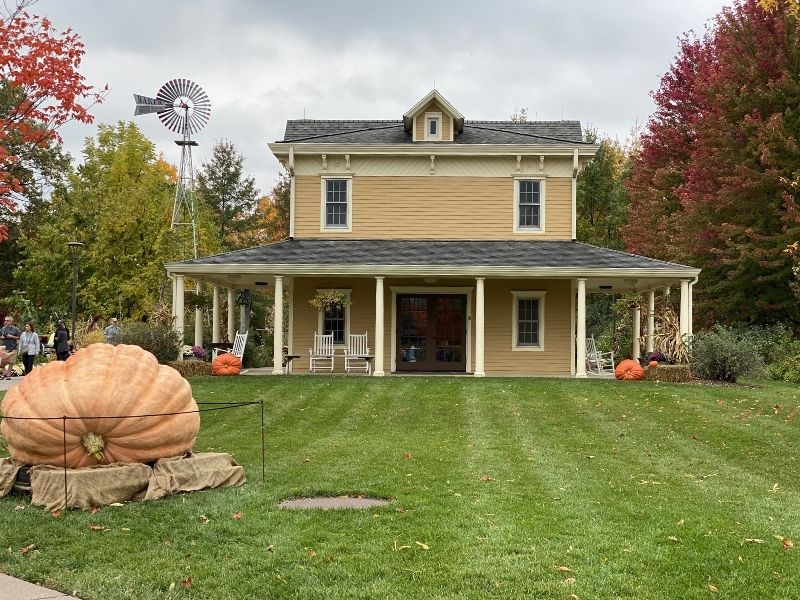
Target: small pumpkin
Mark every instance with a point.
(652, 363)
(629, 370)
(99, 388)
(226, 364)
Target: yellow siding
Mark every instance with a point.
(500, 359)
(433, 207)
(433, 106)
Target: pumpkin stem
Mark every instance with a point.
(94, 444)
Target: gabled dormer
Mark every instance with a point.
(433, 119)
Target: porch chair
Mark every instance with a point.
(356, 355)
(598, 362)
(238, 347)
(321, 356)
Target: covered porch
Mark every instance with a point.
(478, 308)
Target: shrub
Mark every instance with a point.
(723, 355)
(191, 368)
(162, 341)
(771, 342)
(787, 369)
(256, 356)
(669, 373)
(95, 336)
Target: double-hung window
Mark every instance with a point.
(337, 206)
(528, 321)
(529, 205)
(335, 320)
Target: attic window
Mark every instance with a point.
(433, 126)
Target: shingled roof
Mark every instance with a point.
(550, 133)
(440, 253)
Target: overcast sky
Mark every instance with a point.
(262, 63)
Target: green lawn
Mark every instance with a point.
(506, 488)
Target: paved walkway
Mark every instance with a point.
(12, 588)
(7, 384)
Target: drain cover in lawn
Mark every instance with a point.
(330, 502)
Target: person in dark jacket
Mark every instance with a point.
(61, 342)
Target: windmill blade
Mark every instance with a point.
(146, 105)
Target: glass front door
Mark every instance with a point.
(431, 332)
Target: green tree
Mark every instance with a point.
(229, 195)
(118, 203)
(602, 201)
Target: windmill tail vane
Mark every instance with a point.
(182, 106)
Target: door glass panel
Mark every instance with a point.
(413, 327)
(450, 329)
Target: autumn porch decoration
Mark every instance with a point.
(226, 364)
(629, 370)
(328, 300)
(115, 403)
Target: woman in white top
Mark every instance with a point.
(29, 346)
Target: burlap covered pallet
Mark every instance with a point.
(106, 484)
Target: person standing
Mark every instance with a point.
(111, 333)
(29, 346)
(61, 342)
(10, 337)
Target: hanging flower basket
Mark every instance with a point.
(328, 300)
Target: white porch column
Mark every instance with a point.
(277, 329)
(691, 308)
(174, 296)
(231, 315)
(215, 315)
(651, 319)
(480, 317)
(637, 332)
(179, 308)
(684, 316)
(198, 317)
(378, 367)
(580, 341)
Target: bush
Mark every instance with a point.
(787, 370)
(95, 336)
(669, 373)
(191, 368)
(723, 355)
(771, 342)
(256, 356)
(161, 340)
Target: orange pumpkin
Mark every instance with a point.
(629, 369)
(652, 363)
(91, 388)
(226, 364)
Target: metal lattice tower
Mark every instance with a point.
(183, 107)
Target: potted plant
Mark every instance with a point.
(328, 300)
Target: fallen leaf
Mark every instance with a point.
(423, 546)
(712, 588)
(27, 549)
(681, 522)
(753, 541)
(590, 456)
(693, 437)
(95, 527)
(204, 519)
(569, 581)
(672, 538)
(56, 514)
(116, 504)
(406, 455)
(20, 507)
(573, 597)
(306, 460)
(400, 509)
(237, 515)
(186, 582)
(94, 510)
(271, 548)
(564, 569)
(312, 553)
(486, 478)
(125, 528)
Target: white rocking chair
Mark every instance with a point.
(322, 354)
(357, 356)
(238, 347)
(598, 362)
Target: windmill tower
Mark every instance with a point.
(183, 107)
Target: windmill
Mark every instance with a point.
(183, 107)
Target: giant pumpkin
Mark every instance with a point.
(629, 369)
(226, 364)
(91, 387)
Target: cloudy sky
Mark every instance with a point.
(262, 63)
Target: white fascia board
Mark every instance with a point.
(427, 270)
(280, 149)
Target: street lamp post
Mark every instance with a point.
(74, 248)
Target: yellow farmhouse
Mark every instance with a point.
(451, 241)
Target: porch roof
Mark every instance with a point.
(535, 258)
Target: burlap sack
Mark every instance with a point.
(8, 475)
(91, 486)
(193, 472)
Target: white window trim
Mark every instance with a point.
(323, 197)
(321, 315)
(438, 117)
(517, 295)
(542, 186)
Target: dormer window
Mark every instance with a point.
(433, 126)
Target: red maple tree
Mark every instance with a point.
(42, 89)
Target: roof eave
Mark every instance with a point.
(280, 149)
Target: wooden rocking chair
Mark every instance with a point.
(598, 362)
(322, 354)
(357, 356)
